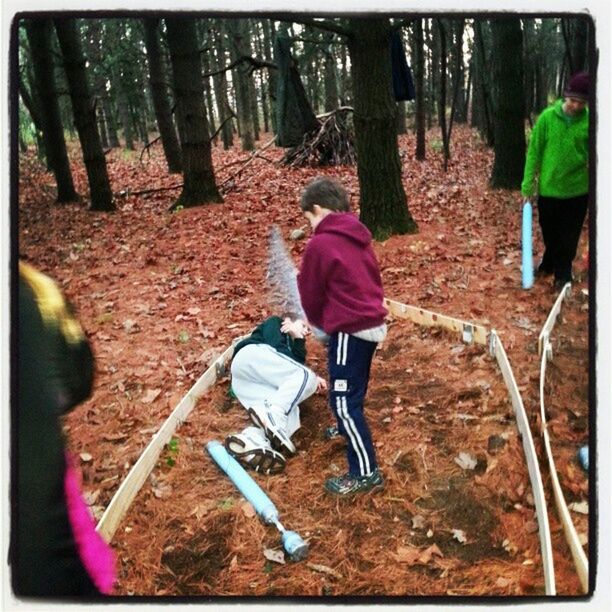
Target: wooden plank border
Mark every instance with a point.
(136, 477)
(497, 349)
(478, 333)
(580, 560)
(552, 317)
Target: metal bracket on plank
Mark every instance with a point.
(468, 333)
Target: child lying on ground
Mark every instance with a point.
(270, 380)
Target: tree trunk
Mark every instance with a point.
(239, 40)
(401, 117)
(483, 83)
(459, 90)
(268, 32)
(345, 85)
(220, 85)
(199, 178)
(161, 103)
(84, 115)
(111, 126)
(33, 108)
(507, 54)
(432, 63)
(419, 87)
(124, 112)
(330, 79)
(383, 205)
(442, 91)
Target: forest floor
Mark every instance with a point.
(161, 294)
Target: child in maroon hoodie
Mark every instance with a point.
(342, 295)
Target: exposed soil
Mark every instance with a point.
(161, 295)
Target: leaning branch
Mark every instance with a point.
(322, 24)
(222, 124)
(147, 147)
(256, 64)
(256, 153)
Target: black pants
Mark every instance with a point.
(561, 222)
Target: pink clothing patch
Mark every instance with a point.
(96, 555)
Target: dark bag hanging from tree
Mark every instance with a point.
(403, 85)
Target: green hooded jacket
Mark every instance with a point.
(269, 333)
(559, 152)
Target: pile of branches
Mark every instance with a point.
(330, 144)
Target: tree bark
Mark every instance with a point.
(199, 179)
(483, 84)
(84, 115)
(33, 108)
(111, 126)
(220, 85)
(330, 79)
(239, 40)
(383, 205)
(442, 91)
(419, 87)
(161, 103)
(268, 32)
(507, 54)
(402, 128)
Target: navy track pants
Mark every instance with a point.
(349, 361)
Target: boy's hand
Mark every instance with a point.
(321, 385)
(296, 329)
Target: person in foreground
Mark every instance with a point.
(557, 157)
(55, 549)
(341, 292)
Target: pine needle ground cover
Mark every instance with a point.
(161, 294)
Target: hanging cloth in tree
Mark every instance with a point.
(403, 85)
(294, 116)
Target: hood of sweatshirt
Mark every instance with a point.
(347, 225)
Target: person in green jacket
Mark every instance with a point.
(556, 171)
(270, 380)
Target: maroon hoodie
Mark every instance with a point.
(339, 281)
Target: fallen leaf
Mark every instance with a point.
(466, 461)
(115, 437)
(408, 554)
(323, 569)
(130, 326)
(277, 556)
(459, 535)
(150, 396)
(248, 510)
(194, 311)
(579, 507)
(418, 522)
(91, 497)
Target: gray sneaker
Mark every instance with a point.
(348, 485)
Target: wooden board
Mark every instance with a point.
(136, 477)
(580, 560)
(433, 319)
(532, 463)
(552, 317)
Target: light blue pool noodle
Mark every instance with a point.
(246, 485)
(527, 263)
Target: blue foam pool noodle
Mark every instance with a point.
(527, 262)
